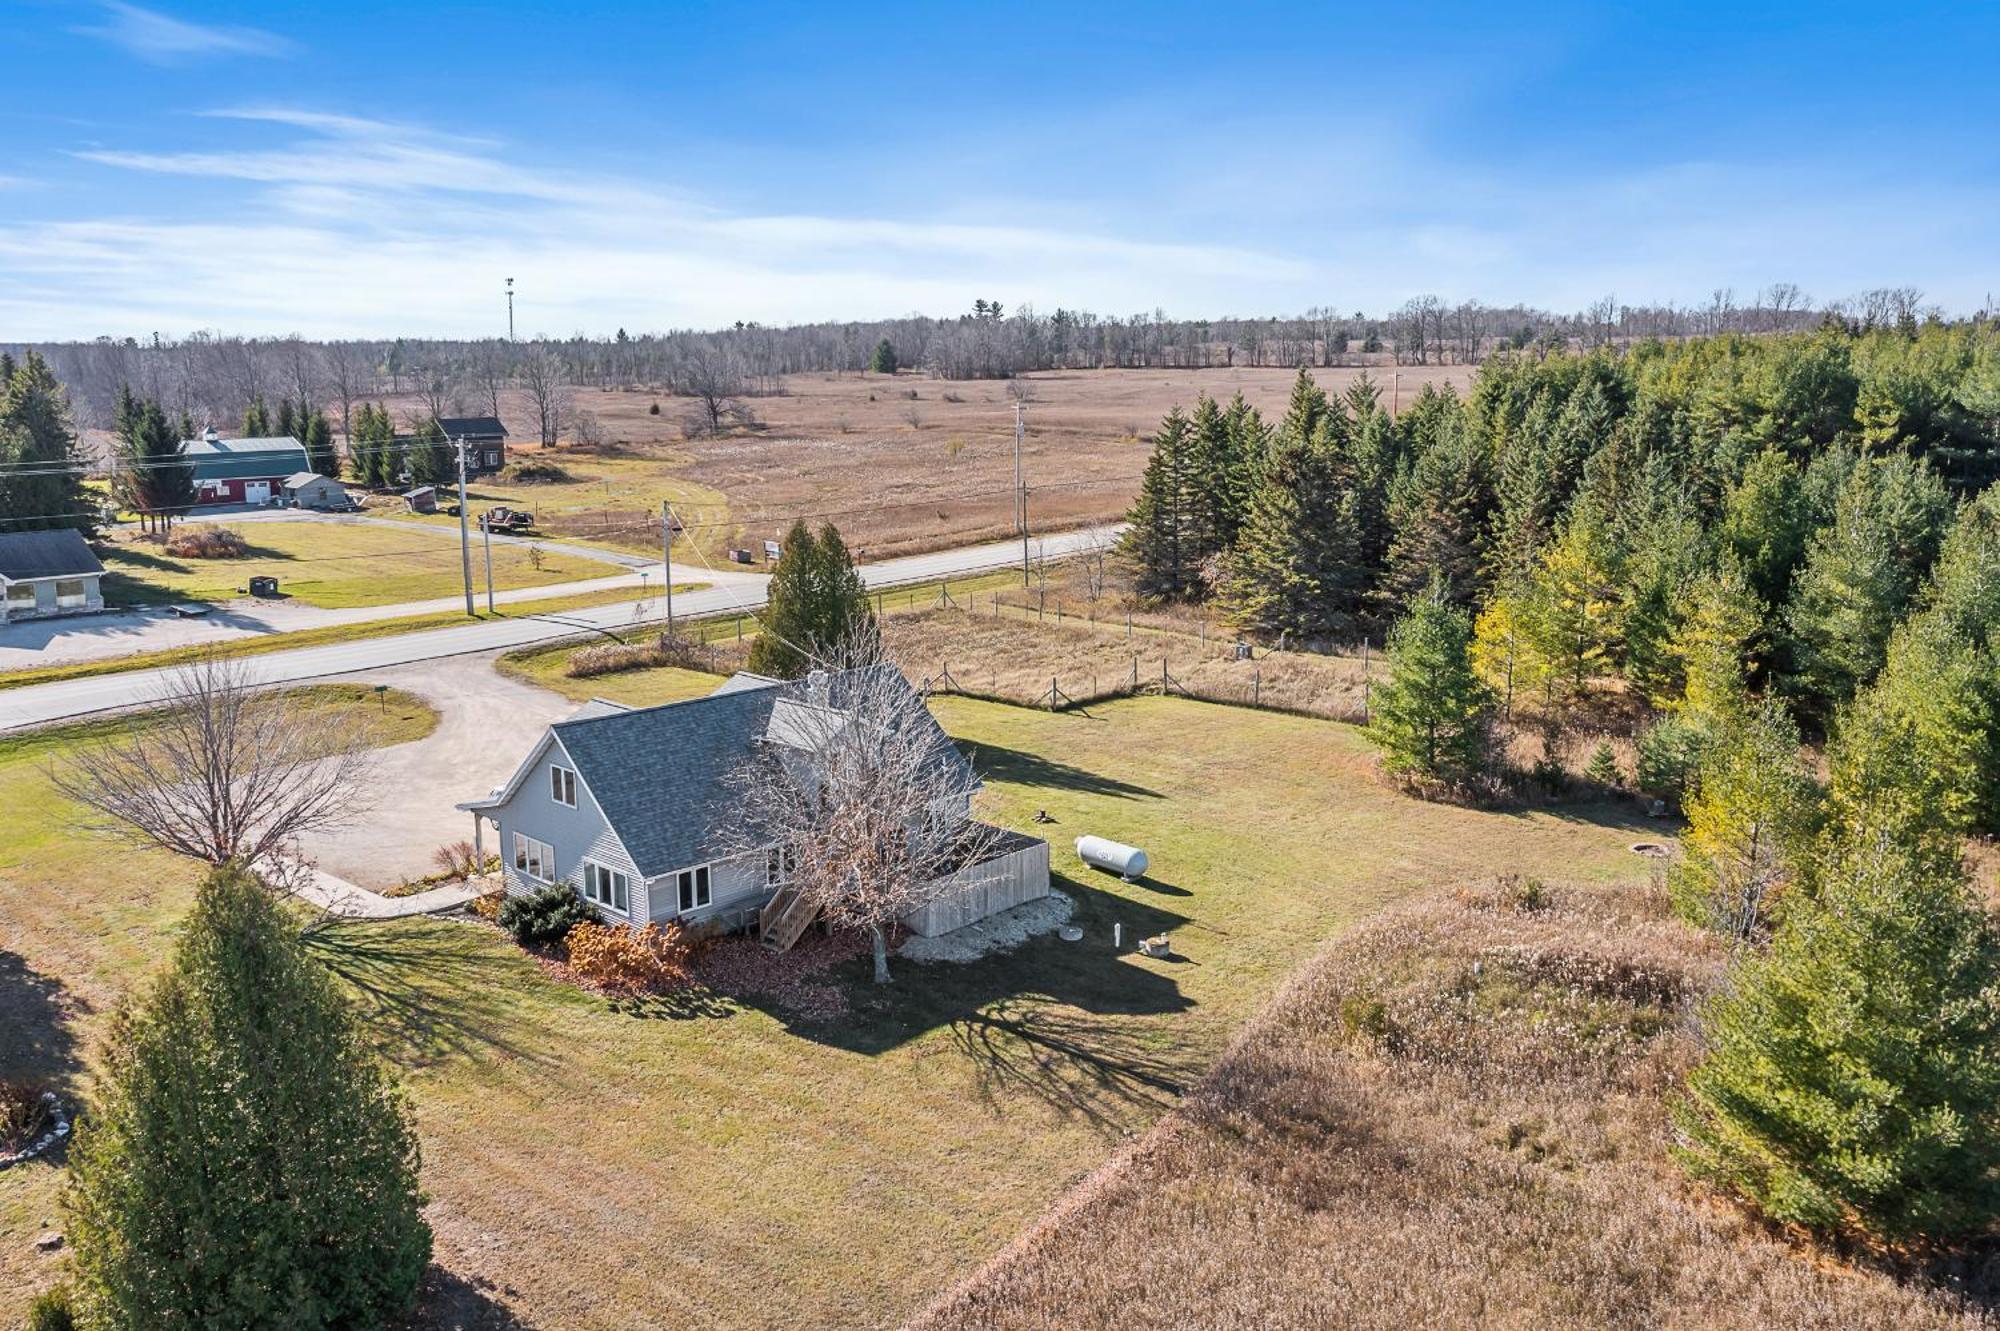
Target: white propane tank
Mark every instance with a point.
(1128, 862)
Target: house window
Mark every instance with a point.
(779, 864)
(691, 886)
(562, 786)
(606, 887)
(20, 596)
(536, 859)
(70, 594)
(492, 458)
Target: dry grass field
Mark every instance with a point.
(1455, 1116)
(910, 463)
(712, 1162)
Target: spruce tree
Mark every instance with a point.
(1852, 1079)
(41, 471)
(1296, 568)
(884, 359)
(249, 1162)
(430, 456)
(317, 436)
(816, 601)
(1218, 492)
(155, 479)
(1750, 816)
(1437, 518)
(1162, 543)
(1431, 717)
(256, 420)
(1307, 410)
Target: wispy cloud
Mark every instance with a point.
(363, 226)
(166, 40)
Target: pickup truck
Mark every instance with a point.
(506, 520)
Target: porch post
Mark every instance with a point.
(478, 839)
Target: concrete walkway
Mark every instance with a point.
(339, 897)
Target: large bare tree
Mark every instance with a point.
(544, 376)
(224, 771)
(862, 793)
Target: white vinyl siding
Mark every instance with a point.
(606, 887)
(562, 786)
(536, 859)
(691, 888)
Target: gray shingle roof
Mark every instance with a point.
(45, 554)
(664, 775)
(473, 427)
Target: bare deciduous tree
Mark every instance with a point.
(714, 380)
(867, 797)
(545, 379)
(224, 772)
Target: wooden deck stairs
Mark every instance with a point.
(784, 920)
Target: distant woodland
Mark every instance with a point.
(213, 377)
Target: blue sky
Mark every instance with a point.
(361, 169)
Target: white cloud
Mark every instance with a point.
(165, 40)
(360, 226)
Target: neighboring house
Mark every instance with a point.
(309, 489)
(47, 573)
(485, 441)
(242, 471)
(633, 807)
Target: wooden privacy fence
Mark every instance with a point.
(1017, 871)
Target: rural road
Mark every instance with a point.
(41, 703)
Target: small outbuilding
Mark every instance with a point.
(485, 441)
(48, 573)
(309, 489)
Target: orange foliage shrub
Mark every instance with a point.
(610, 956)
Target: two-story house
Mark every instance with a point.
(638, 810)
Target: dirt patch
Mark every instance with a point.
(996, 933)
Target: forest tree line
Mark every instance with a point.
(213, 378)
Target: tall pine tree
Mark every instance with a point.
(1162, 543)
(1432, 716)
(41, 471)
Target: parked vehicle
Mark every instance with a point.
(507, 519)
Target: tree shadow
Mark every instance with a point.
(1042, 1018)
(427, 989)
(695, 1004)
(1021, 767)
(38, 1031)
(452, 1302)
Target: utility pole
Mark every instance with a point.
(510, 309)
(464, 530)
(667, 559)
(486, 536)
(1020, 491)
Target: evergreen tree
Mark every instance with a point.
(288, 424)
(1859, 576)
(816, 601)
(1750, 815)
(41, 471)
(1163, 542)
(155, 479)
(256, 420)
(317, 435)
(1306, 411)
(884, 360)
(1437, 518)
(1570, 614)
(1218, 492)
(1851, 1081)
(249, 1163)
(1296, 568)
(1431, 716)
(1765, 523)
(429, 456)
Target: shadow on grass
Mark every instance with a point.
(427, 989)
(37, 1029)
(1020, 767)
(452, 1302)
(1068, 1023)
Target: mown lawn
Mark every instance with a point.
(334, 565)
(82, 920)
(705, 1163)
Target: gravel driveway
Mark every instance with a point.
(487, 721)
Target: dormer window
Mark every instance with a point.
(562, 786)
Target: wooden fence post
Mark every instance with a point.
(1256, 688)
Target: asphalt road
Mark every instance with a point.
(42, 703)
